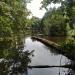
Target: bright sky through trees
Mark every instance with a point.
(34, 7)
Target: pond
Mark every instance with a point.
(44, 55)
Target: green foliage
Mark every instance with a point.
(54, 22)
(34, 24)
(12, 55)
(61, 21)
(45, 3)
(68, 48)
(66, 18)
(13, 17)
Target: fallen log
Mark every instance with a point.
(48, 66)
(46, 42)
(55, 46)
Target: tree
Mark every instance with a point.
(67, 9)
(13, 17)
(54, 22)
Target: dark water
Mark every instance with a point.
(44, 55)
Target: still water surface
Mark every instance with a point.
(44, 55)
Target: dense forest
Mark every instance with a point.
(61, 22)
(60, 19)
(56, 21)
(13, 17)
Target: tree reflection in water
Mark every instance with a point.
(12, 59)
(70, 72)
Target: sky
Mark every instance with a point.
(34, 7)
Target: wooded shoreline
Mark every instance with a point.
(55, 46)
(47, 42)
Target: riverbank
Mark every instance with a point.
(56, 47)
(47, 42)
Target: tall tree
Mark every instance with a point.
(54, 22)
(13, 16)
(68, 7)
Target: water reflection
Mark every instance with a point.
(15, 57)
(13, 61)
(44, 55)
(51, 71)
